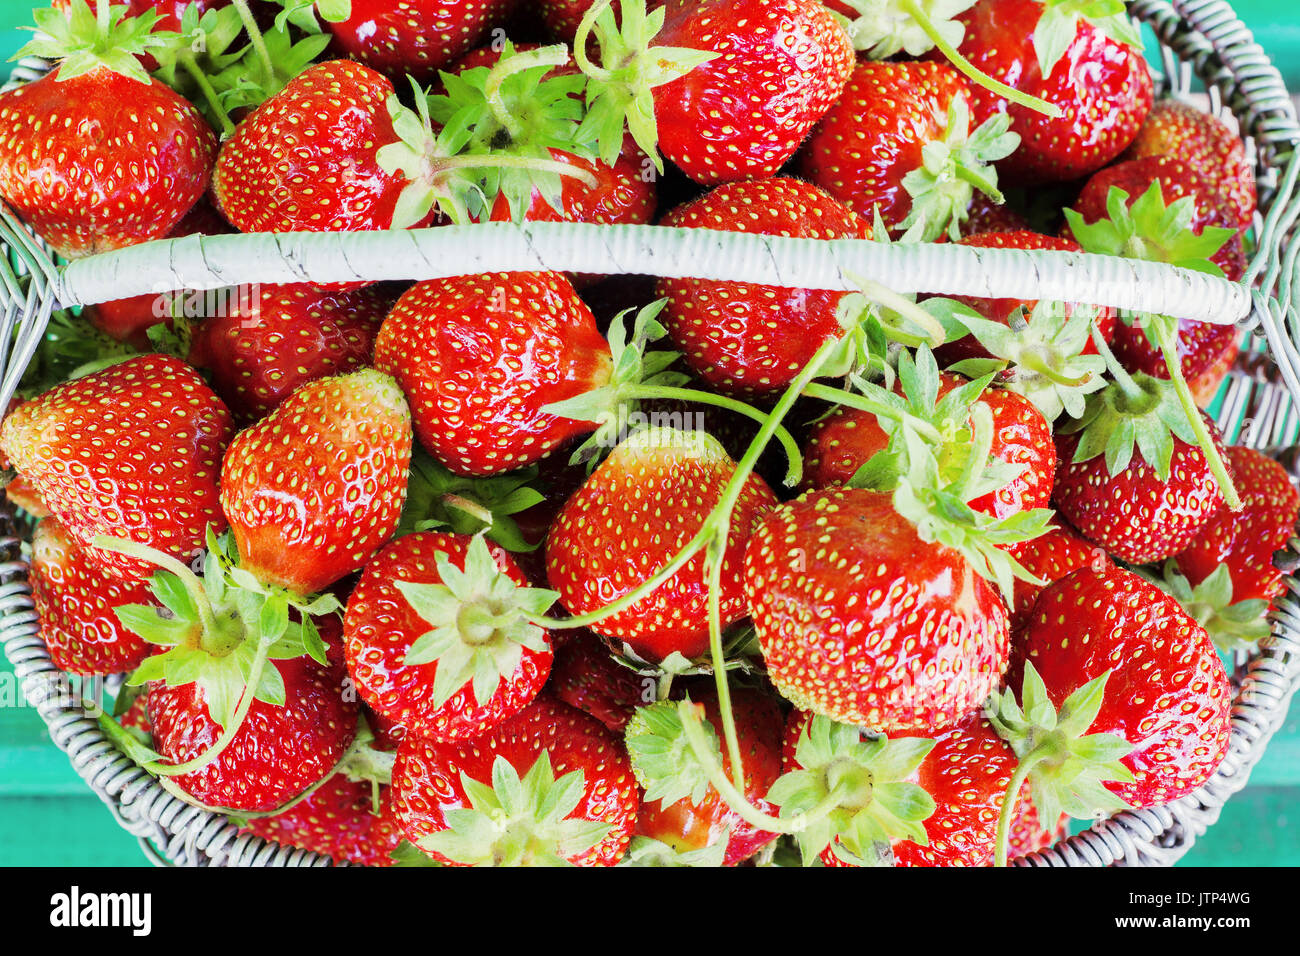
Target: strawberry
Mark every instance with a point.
(645, 502)
(883, 630)
(275, 338)
(686, 821)
(413, 37)
(152, 432)
(482, 356)
(1087, 63)
(962, 773)
(754, 339)
(1207, 352)
(549, 786)
(1049, 557)
(586, 676)
(873, 150)
(1245, 542)
(317, 486)
(1166, 695)
(74, 601)
(66, 168)
(1028, 835)
(984, 215)
(169, 15)
(622, 193)
(1204, 144)
(278, 750)
(761, 71)
(340, 820)
(438, 637)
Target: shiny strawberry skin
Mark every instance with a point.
(75, 600)
(317, 486)
(1134, 515)
(838, 445)
(1050, 557)
(781, 65)
(686, 826)
(380, 626)
(305, 160)
(1177, 180)
(69, 169)
(1167, 693)
(874, 134)
(861, 621)
(1205, 144)
(278, 752)
(262, 349)
(966, 774)
(131, 452)
(416, 37)
(1103, 88)
(427, 775)
(1246, 540)
(754, 339)
(1027, 834)
(624, 193)
(481, 356)
(338, 820)
(587, 677)
(999, 310)
(630, 518)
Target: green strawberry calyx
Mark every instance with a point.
(438, 500)
(82, 39)
(1232, 625)
(620, 90)
(1059, 23)
(481, 622)
(953, 167)
(304, 14)
(517, 821)
(1066, 767)
(1039, 355)
(646, 851)
(220, 631)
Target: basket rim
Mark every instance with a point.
(1205, 34)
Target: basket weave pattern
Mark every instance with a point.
(1197, 39)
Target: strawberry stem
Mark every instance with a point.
(976, 75)
(839, 396)
(490, 161)
(884, 296)
(508, 66)
(1130, 388)
(1167, 339)
(200, 78)
(255, 37)
(585, 25)
(713, 581)
(193, 586)
(1009, 801)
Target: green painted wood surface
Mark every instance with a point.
(48, 816)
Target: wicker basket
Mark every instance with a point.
(1196, 39)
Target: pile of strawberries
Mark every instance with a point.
(531, 569)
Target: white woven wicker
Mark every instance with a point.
(1196, 38)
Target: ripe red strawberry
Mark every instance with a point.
(964, 772)
(1049, 557)
(1206, 145)
(549, 785)
(587, 677)
(1167, 694)
(1087, 64)
(277, 752)
(481, 356)
(984, 215)
(307, 159)
(1207, 351)
(1138, 511)
(624, 193)
(339, 820)
(416, 37)
(274, 338)
(892, 633)
(687, 824)
(1001, 310)
(754, 339)
(436, 635)
(1177, 180)
(1244, 542)
(871, 150)
(130, 452)
(761, 71)
(74, 601)
(317, 486)
(97, 155)
(645, 502)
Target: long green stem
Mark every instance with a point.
(205, 87)
(507, 67)
(788, 444)
(1009, 801)
(1167, 338)
(142, 552)
(1122, 378)
(913, 9)
(494, 161)
(585, 25)
(839, 396)
(884, 296)
(713, 557)
(259, 42)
